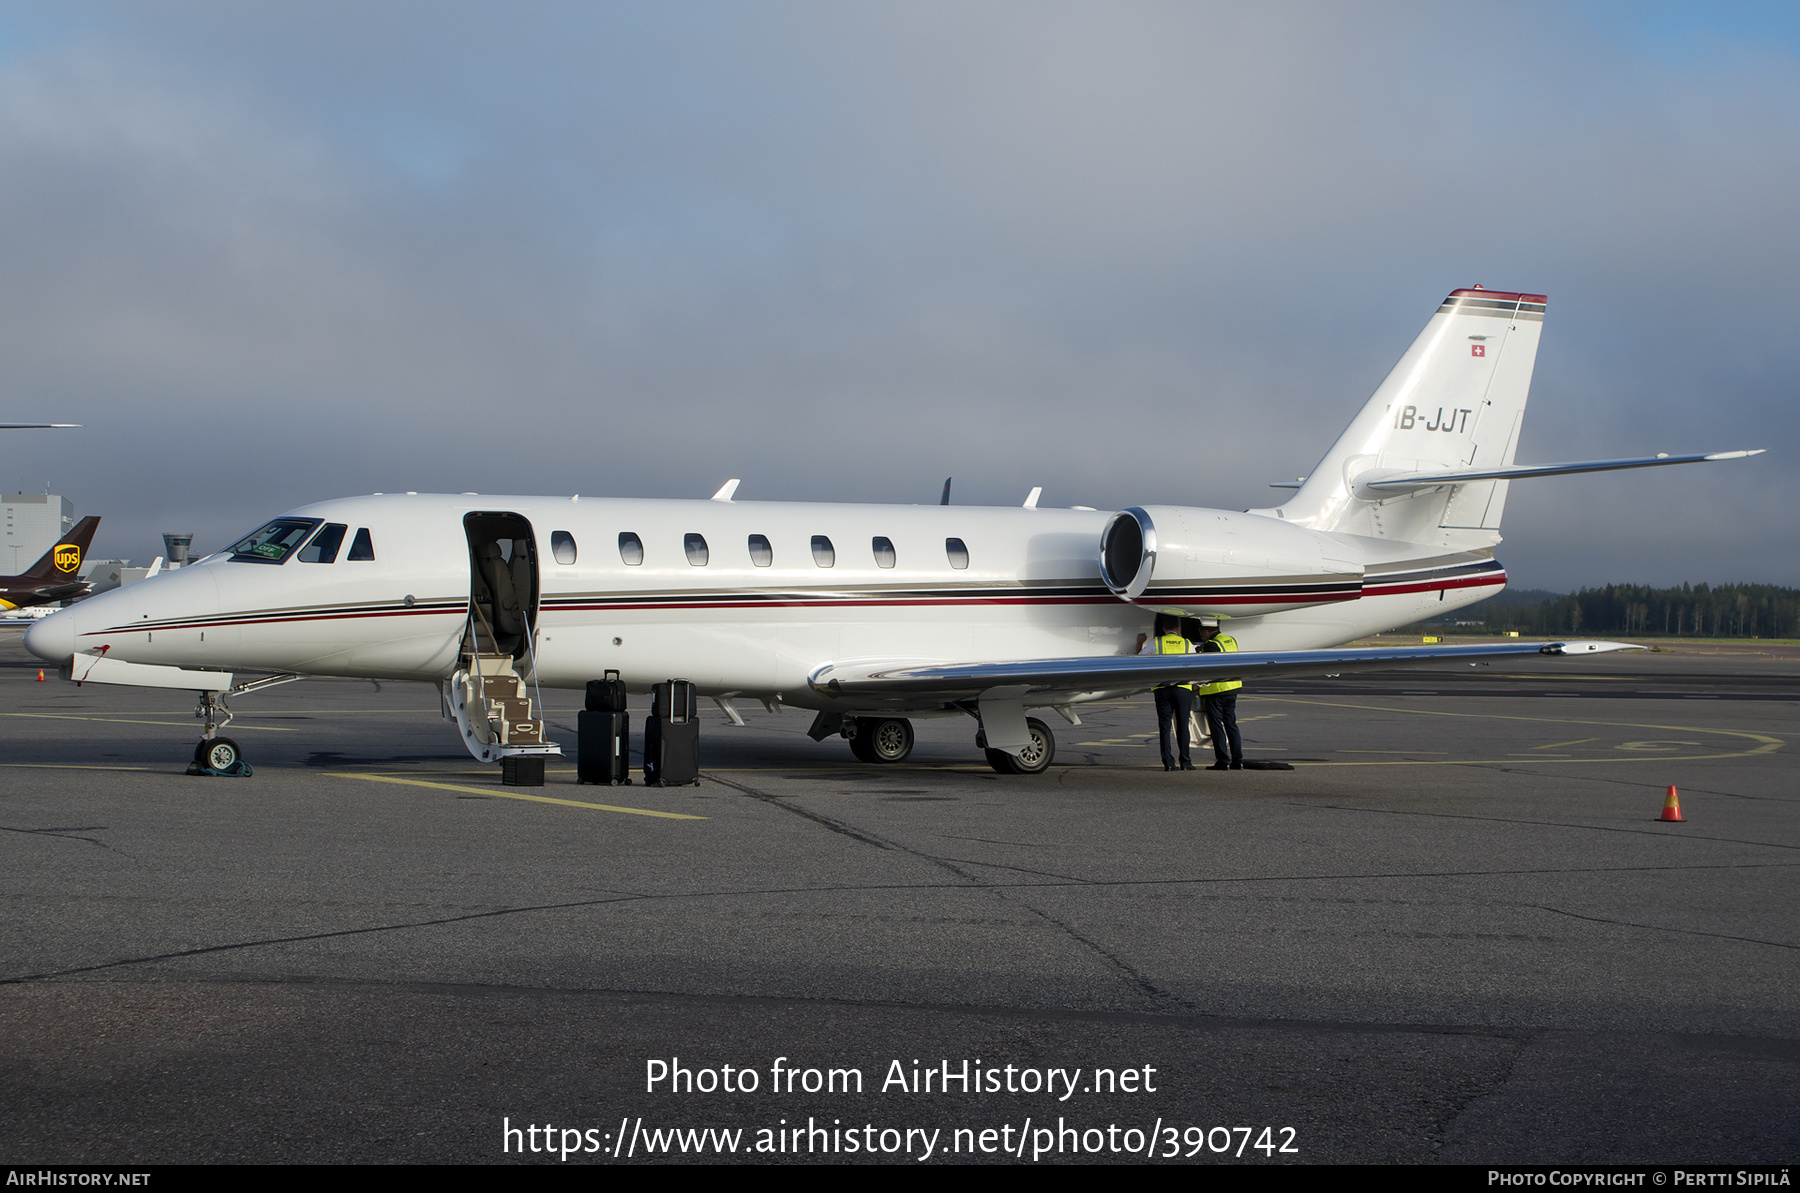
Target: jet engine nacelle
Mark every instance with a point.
(1183, 560)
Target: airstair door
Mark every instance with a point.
(488, 695)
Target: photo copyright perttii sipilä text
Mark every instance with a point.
(1031, 1137)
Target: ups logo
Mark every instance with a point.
(68, 557)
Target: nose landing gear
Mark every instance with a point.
(220, 756)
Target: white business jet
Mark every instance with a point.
(869, 616)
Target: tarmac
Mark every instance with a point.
(1455, 932)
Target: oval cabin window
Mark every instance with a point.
(631, 548)
(761, 554)
(958, 553)
(884, 551)
(695, 546)
(562, 546)
(824, 554)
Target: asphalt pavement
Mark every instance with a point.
(1455, 931)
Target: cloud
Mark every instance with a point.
(844, 251)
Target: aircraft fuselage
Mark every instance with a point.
(752, 598)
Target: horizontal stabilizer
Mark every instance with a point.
(1407, 482)
(1037, 680)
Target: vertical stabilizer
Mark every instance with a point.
(63, 561)
(1455, 400)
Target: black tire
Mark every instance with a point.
(883, 739)
(859, 745)
(1034, 759)
(221, 753)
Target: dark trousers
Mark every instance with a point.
(1221, 718)
(1173, 707)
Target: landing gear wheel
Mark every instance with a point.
(882, 739)
(1034, 759)
(218, 753)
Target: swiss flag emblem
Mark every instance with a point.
(1477, 349)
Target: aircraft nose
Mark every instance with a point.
(52, 638)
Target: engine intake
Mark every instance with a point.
(1128, 553)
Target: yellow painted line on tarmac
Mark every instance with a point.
(1556, 744)
(1766, 744)
(47, 716)
(537, 799)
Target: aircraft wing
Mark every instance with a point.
(1046, 681)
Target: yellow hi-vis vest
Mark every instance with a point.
(1172, 644)
(1226, 643)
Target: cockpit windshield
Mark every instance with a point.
(276, 541)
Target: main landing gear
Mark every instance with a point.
(1034, 759)
(882, 739)
(890, 739)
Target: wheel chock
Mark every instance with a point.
(237, 770)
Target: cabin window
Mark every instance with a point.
(631, 548)
(884, 551)
(824, 554)
(695, 546)
(275, 542)
(761, 554)
(362, 547)
(562, 547)
(325, 544)
(958, 553)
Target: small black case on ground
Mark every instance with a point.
(671, 752)
(606, 695)
(522, 770)
(604, 751)
(672, 701)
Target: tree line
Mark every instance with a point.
(1692, 610)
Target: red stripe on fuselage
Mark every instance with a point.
(1374, 588)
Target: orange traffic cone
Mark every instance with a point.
(40, 675)
(1671, 806)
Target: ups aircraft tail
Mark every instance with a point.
(63, 561)
(1429, 457)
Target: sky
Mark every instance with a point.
(1134, 253)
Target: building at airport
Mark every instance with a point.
(32, 524)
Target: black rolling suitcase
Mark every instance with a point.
(672, 736)
(604, 752)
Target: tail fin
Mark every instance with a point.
(1455, 401)
(63, 561)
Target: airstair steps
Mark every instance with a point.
(489, 701)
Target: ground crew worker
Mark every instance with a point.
(1220, 702)
(1174, 702)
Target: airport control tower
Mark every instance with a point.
(175, 548)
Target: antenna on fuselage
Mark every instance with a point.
(945, 499)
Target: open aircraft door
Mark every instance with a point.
(488, 696)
